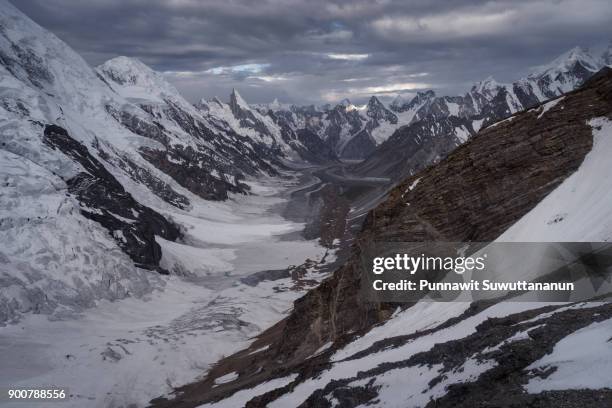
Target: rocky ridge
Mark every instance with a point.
(469, 196)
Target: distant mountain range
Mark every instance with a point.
(431, 122)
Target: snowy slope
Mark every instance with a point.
(112, 161)
(129, 351)
(110, 179)
(43, 82)
(461, 354)
(429, 127)
(579, 209)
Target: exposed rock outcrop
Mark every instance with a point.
(104, 200)
(475, 194)
(481, 189)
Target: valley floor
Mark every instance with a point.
(129, 351)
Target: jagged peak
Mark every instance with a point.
(423, 96)
(399, 101)
(202, 105)
(237, 100)
(566, 61)
(487, 85)
(404, 102)
(374, 102)
(428, 93)
(217, 100)
(345, 102)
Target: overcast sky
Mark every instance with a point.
(324, 50)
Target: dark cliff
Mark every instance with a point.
(475, 194)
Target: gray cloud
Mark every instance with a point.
(322, 50)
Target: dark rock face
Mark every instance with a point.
(305, 141)
(185, 166)
(142, 175)
(359, 146)
(413, 147)
(377, 112)
(474, 194)
(153, 130)
(246, 117)
(470, 196)
(341, 120)
(104, 200)
(232, 155)
(317, 151)
(210, 168)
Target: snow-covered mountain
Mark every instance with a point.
(430, 126)
(58, 143)
(538, 176)
(128, 218)
(356, 132)
(349, 131)
(96, 165)
(267, 127)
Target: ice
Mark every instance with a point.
(129, 351)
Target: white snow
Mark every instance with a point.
(114, 334)
(453, 108)
(240, 398)
(348, 368)
(566, 61)
(583, 360)
(462, 134)
(549, 105)
(414, 184)
(173, 335)
(583, 200)
(227, 378)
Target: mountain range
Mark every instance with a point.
(339, 349)
(115, 187)
(87, 153)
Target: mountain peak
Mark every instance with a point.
(136, 79)
(275, 105)
(487, 85)
(374, 101)
(345, 102)
(426, 94)
(567, 61)
(124, 70)
(399, 101)
(217, 100)
(402, 103)
(237, 100)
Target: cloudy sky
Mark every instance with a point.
(311, 51)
